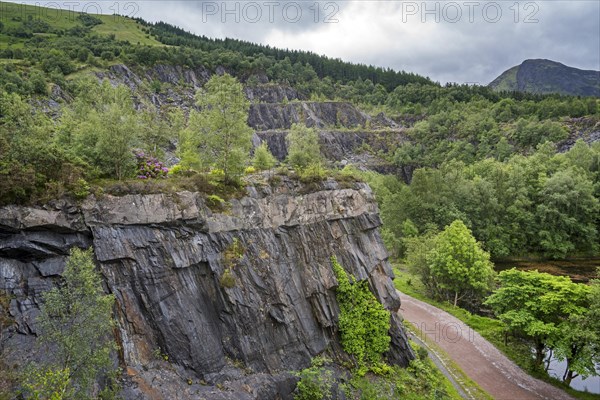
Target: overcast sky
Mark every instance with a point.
(449, 41)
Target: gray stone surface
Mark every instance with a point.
(163, 257)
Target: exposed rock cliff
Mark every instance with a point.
(163, 257)
(359, 147)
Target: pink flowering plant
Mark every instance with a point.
(149, 167)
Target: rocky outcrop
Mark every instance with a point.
(272, 93)
(359, 147)
(163, 256)
(312, 114)
(584, 128)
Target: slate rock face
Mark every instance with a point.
(267, 116)
(164, 257)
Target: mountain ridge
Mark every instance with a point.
(542, 76)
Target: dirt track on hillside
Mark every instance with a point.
(477, 357)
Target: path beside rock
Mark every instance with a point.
(477, 357)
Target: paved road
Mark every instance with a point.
(477, 357)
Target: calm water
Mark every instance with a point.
(591, 384)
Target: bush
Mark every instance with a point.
(313, 173)
(215, 202)
(176, 170)
(315, 384)
(81, 189)
(107, 55)
(363, 321)
(263, 159)
(227, 280)
(149, 167)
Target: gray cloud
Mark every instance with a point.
(449, 41)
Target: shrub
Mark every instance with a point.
(313, 173)
(176, 170)
(315, 384)
(149, 167)
(215, 202)
(234, 253)
(81, 189)
(363, 321)
(263, 159)
(227, 280)
(107, 55)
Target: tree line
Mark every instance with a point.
(546, 203)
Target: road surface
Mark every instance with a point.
(477, 357)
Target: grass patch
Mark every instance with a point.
(13, 14)
(420, 380)
(124, 29)
(489, 328)
(193, 183)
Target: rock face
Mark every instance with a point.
(337, 145)
(165, 258)
(312, 114)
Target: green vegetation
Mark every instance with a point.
(219, 130)
(421, 380)
(304, 149)
(101, 127)
(315, 383)
(545, 204)
(480, 177)
(515, 346)
(453, 265)
(76, 329)
(363, 321)
(263, 159)
(550, 311)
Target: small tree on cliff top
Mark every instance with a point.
(221, 128)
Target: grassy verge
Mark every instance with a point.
(491, 329)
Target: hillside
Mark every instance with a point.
(216, 182)
(546, 77)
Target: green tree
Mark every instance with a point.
(417, 249)
(101, 127)
(578, 338)
(303, 147)
(221, 128)
(567, 213)
(458, 265)
(263, 159)
(76, 325)
(534, 305)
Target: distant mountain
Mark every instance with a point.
(545, 76)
